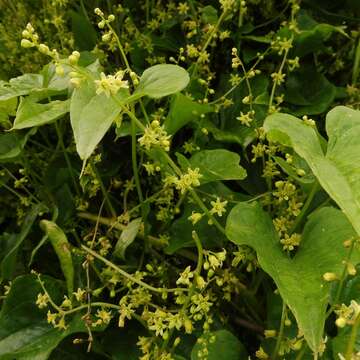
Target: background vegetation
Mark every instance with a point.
(179, 179)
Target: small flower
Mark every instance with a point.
(104, 317)
(218, 207)
(111, 84)
(247, 118)
(80, 294)
(42, 300)
(185, 277)
(195, 217)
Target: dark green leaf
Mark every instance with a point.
(220, 344)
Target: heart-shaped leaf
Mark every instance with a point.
(299, 279)
(338, 171)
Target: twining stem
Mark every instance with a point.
(342, 280)
(353, 337)
(305, 208)
(104, 191)
(66, 156)
(280, 334)
(127, 275)
(356, 67)
(135, 168)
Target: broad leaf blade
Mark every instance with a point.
(214, 165)
(341, 160)
(31, 114)
(299, 280)
(91, 116)
(162, 80)
(24, 331)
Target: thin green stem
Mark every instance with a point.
(280, 334)
(352, 340)
(305, 208)
(104, 191)
(200, 252)
(356, 67)
(135, 168)
(301, 354)
(127, 275)
(342, 280)
(67, 160)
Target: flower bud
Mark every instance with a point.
(44, 49)
(106, 37)
(98, 12)
(340, 322)
(329, 276)
(111, 17)
(59, 70)
(26, 43)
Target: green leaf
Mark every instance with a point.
(85, 35)
(224, 345)
(215, 165)
(341, 160)
(309, 91)
(8, 263)
(24, 331)
(22, 85)
(299, 279)
(162, 80)
(12, 144)
(62, 249)
(127, 237)
(92, 115)
(31, 114)
(182, 111)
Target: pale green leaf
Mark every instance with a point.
(299, 279)
(92, 115)
(338, 171)
(31, 114)
(127, 237)
(162, 80)
(62, 249)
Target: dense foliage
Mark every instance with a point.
(180, 179)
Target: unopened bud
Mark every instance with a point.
(329, 276)
(26, 43)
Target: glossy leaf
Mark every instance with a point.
(215, 165)
(341, 160)
(225, 345)
(91, 116)
(299, 279)
(31, 114)
(62, 249)
(162, 80)
(24, 331)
